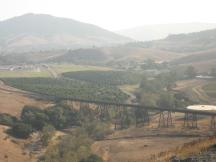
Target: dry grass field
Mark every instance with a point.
(195, 89)
(12, 150)
(122, 53)
(142, 144)
(13, 100)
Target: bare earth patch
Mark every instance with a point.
(140, 149)
(13, 100)
(141, 144)
(11, 150)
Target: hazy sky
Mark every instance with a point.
(116, 14)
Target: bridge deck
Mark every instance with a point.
(181, 110)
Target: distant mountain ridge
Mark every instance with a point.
(183, 43)
(31, 32)
(161, 31)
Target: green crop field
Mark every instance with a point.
(62, 68)
(23, 74)
(106, 77)
(68, 88)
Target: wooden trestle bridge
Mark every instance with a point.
(143, 114)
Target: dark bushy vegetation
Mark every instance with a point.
(59, 117)
(34, 116)
(69, 88)
(46, 134)
(21, 130)
(106, 77)
(158, 91)
(8, 120)
(92, 158)
(71, 148)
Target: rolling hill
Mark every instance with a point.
(203, 61)
(183, 43)
(114, 54)
(161, 31)
(34, 32)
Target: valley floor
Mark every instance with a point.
(135, 144)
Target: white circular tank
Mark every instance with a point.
(202, 107)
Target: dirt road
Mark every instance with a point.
(194, 89)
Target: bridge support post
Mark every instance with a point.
(186, 120)
(142, 117)
(190, 120)
(213, 122)
(161, 120)
(118, 121)
(194, 120)
(102, 112)
(169, 119)
(98, 112)
(165, 119)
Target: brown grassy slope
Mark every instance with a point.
(195, 90)
(12, 102)
(141, 144)
(12, 150)
(203, 61)
(196, 147)
(123, 52)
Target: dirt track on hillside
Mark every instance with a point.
(194, 86)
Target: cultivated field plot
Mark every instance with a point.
(15, 74)
(62, 68)
(68, 88)
(106, 77)
(13, 100)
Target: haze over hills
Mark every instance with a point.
(33, 32)
(38, 38)
(183, 43)
(160, 31)
(101, 56)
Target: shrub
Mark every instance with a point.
(35, 117)
(97, 130)
(8, 120)
(92, 158)
(71, 148)
(21, 130)
(47, 134)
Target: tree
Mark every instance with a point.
(34, 116)
(6, 119)
(46, 134)
(21, 130)
(61, 116)
(166, 101)
(71, 148)
(190, 72)
(148, 99)
(92, 158)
